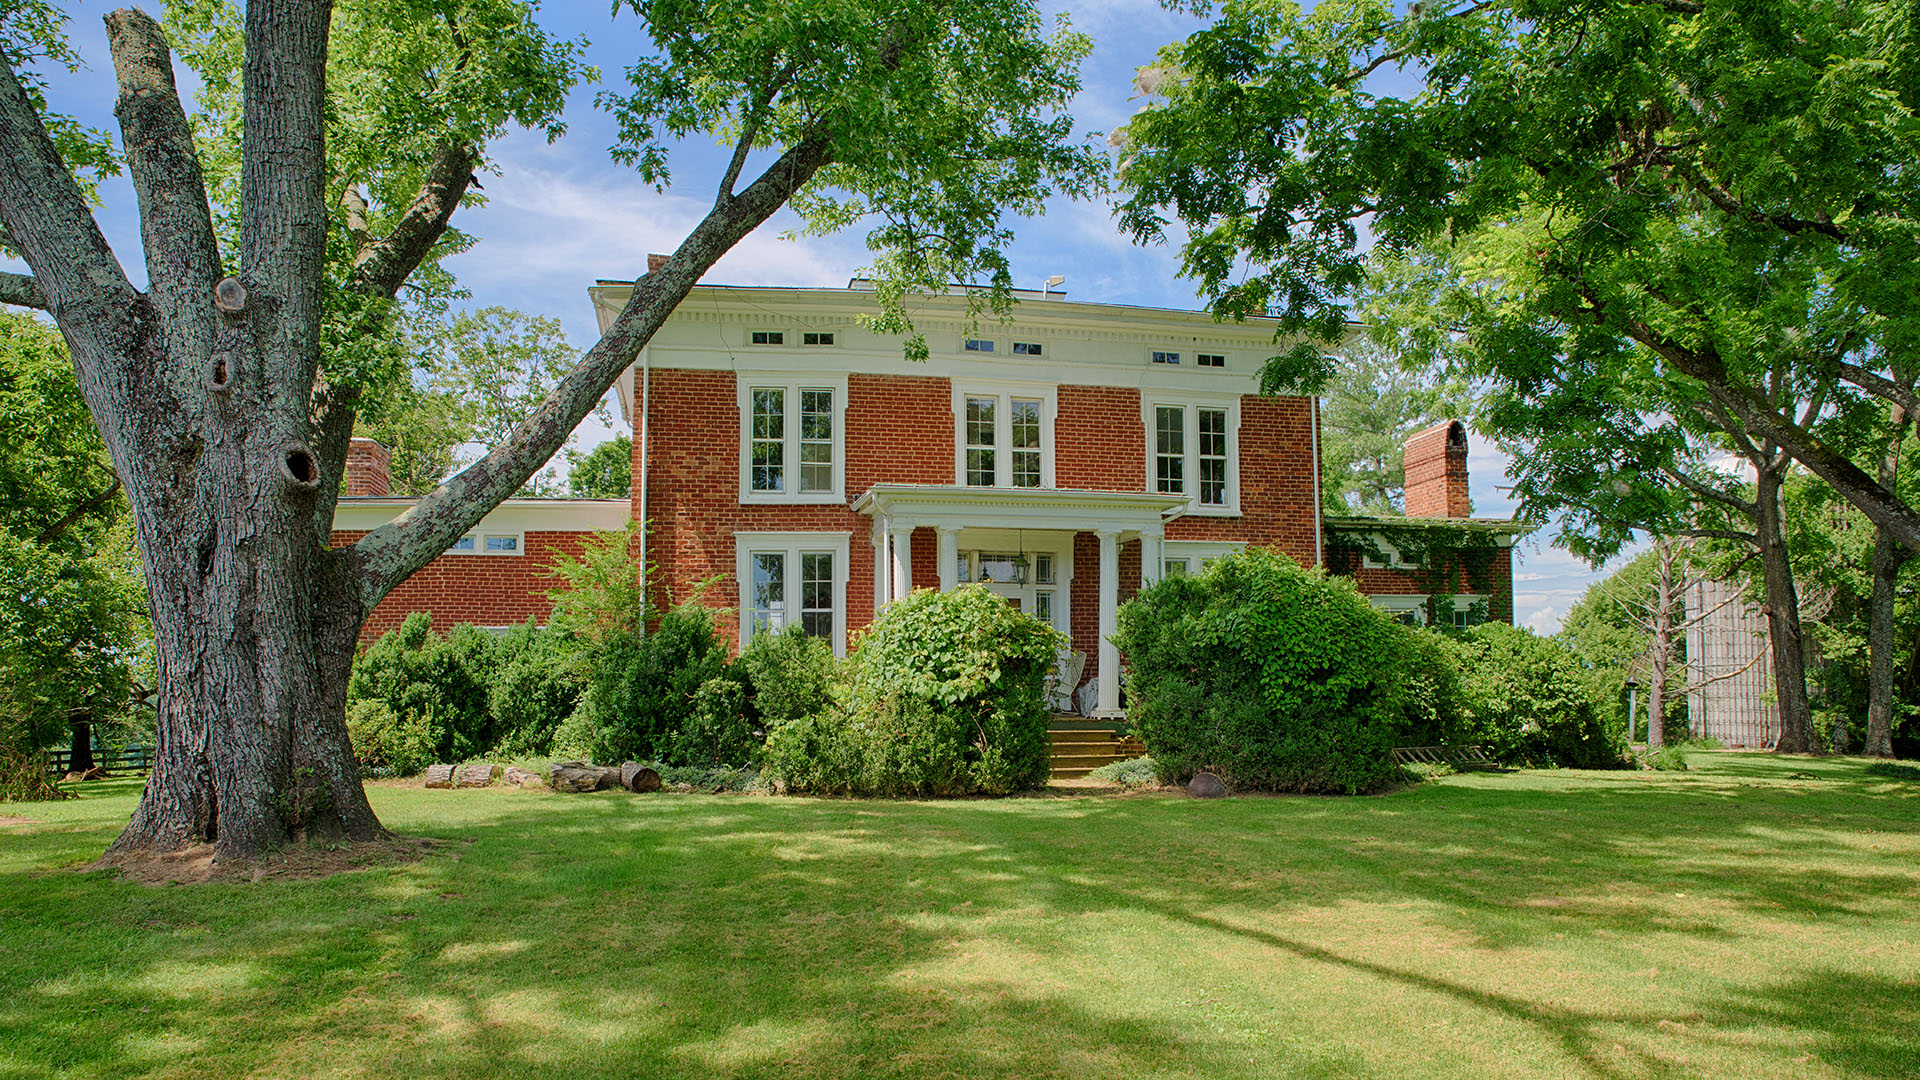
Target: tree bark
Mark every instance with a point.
(1662, 648)
(1783, 612)
(1889, 555)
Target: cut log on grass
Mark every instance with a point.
(440, 776)
(637, 777)
(479, 775)
(522, 777)
(576, 776)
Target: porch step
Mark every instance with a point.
(1079, 751)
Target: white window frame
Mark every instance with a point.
(1198, 553)
(1399, 604)
(745, 384)
(1150, 402)
(792, 545)
(1005, 392)
(1396, 559)
(480, 538)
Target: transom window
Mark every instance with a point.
(811, 338)
(768, 337)
(1005, 437)
(1160, 357)
(1191, 451)
(1026, 348)
(791, 441)
(979, 345)
(1207, 359)
(793, 580)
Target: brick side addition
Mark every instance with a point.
(1496, 584)
(486, 590)
(1436, 465)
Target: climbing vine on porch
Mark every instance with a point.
(1439, 561)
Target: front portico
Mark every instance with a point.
(1012, 538)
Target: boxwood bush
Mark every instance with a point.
(1274, 677)
(947, 697)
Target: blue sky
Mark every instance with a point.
(560, 216)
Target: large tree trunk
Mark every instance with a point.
(1662, 648)
(1889, 555)
(1783, 615)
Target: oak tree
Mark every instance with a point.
(224, 393)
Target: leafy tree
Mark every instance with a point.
(605, 472)
(1718, 197)
(72, 618)
(229, 431)
(1369, 406)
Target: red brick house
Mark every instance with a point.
(791, 455)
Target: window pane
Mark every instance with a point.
(464, 544)
(503, 543)
(1170, 441)
(1043, 569)
(816, 594)
(1026, 468)
(768, 592)
(1043, 606)
(816, 440)
(1173, 568)
(980, 441)
(769, 460)
(1213, 457)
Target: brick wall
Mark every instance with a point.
(1496, 583)
(486, 590)
(367, 473)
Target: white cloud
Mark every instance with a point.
(1544, 620)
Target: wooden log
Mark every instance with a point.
(637, 777)
(440, 776)
(577, 776)
(522, 777)
(478, 775)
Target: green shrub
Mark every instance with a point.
(948, 697)
(718, 730)
(1665, 759)
(1133, 772)
(788, 675)
(1527, 702)
(641, 687)
(1432, 703)
(1894, 771)
(536, 686)
(387, 743)
(443, 682)
(1274, 677)
(1421, 771)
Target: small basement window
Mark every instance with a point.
(977, 345)
(811, 338)
(503, 545)
(1165, 357)
(1026, 348)
(769, 337)
(462, 546)
(1207, 359)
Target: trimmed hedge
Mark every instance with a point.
(1274, 677)
(1529, 702)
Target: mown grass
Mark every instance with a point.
(1728, 921)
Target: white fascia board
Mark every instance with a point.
(512, 516)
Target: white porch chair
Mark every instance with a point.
(1064, 677)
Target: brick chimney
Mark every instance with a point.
(367, 475)
(655, 262)
(1436, 461)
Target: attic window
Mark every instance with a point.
(1165, 357)
(811, 338)
(1207, 359)
(769, 337)
(1026, 348)
(977, 345)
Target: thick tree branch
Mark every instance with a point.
(21, 290)
(283, 208)
(1711, 494)
(383, 265)
(391, 552)
(52, 228)
(176, 226)
(1877, 384)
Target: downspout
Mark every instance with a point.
(1313, 411)
(646, 385)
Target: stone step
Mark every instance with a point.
(1084, 761)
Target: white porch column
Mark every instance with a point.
(902, 561)
(1109, 693)
(1153, 562)
(949, 557)
(882, 567)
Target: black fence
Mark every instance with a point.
(125, 759)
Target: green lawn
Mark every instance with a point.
(1737, 920)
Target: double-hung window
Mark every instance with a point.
(1004, 435)
(792, 442)
(1192, 448)
(793, 579)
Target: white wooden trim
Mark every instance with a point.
(792, 383)
(792, 544)
(1189, 402)
(1004, 391)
